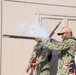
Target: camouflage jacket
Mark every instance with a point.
(66, 50)
(43, 67)
(67, 46)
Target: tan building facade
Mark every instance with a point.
(15, 53)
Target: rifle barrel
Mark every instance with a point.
(19, 37)
(54, 30)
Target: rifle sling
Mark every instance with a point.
(70, 54)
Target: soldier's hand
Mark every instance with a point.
(32, 68)
(66, 66)
(38, 39)
(27, 69)
(34, 64)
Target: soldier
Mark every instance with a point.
(66, 50)
(42, 65)
(41, 56)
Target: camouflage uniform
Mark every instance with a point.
(43, 68)
(66, 50)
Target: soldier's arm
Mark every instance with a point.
(32, 56)
(57, 45)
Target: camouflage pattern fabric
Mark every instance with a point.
(43, 68)
(67, 45)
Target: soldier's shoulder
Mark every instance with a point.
(72, 39)
(69, 40)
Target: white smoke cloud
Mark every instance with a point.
(35, 30)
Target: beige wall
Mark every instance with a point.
(16, 52)
(0, 36)
(52, 2)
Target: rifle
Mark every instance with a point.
(28, 37)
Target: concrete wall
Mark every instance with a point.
(16, 52)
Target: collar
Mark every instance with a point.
(70, 38)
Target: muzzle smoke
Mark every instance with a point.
(35, 30)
